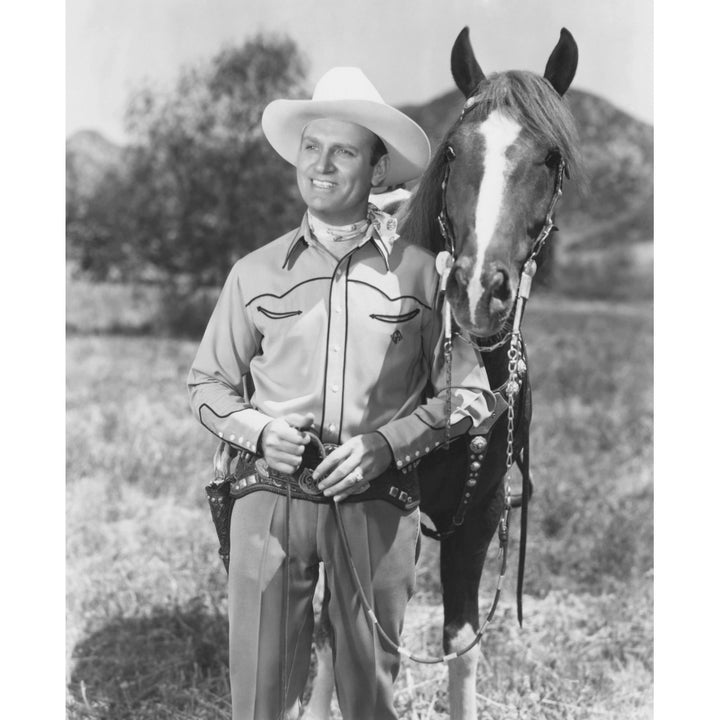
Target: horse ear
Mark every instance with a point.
(465, 69)
(562, 63)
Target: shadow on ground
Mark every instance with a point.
(171, 663)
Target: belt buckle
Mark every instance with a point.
(306, 482)
(314, 454)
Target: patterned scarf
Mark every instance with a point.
(383, 223)
(326, 233)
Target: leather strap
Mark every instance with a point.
(399, 488)
(527, 487)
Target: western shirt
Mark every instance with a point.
(355, 341)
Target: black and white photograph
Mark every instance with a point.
(359, 358)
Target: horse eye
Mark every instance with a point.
(553, 158)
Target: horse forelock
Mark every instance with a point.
(534, 104)
(526, 98)
(523, 96)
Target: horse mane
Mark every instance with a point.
(418, 217)
(534, 104)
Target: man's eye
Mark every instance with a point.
(346, 152)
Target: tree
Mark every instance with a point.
(207, 186)
(97, 192)
(199, 186)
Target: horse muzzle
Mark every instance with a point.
(481, 307)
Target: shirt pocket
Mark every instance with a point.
(278, 315)
(395, 319)
(278, 323)
(397, 326)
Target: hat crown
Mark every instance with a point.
(346, 83)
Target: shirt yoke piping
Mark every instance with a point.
(392, 299)
(282, 295)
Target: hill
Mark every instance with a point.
(604, 247)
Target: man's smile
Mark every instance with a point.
(322, 184)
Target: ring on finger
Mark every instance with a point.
(356, 476)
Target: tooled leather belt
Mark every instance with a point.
(401, 489)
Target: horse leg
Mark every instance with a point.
(462, 556)
(318, 706)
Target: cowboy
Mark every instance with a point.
(337, 325)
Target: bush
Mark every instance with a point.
(183, 313)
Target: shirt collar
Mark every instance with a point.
(298, 240)
(383, 235)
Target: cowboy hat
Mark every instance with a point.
(344, 93)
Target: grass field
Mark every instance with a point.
(145, 604)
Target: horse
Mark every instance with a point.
(486, 200)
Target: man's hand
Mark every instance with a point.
(283, 442)
(351, 467)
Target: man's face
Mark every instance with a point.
(334, 173)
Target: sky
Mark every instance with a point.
(112, 46)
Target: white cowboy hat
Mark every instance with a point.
(344, 93)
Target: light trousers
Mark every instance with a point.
(272, 620)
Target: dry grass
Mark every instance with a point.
(146, 609)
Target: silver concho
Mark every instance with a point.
(304, 475)
(478, 444)
(306, 482)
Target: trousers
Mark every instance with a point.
(269, 621)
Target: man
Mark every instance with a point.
(338, 326)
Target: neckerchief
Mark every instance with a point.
(384, 224)
(326, 233)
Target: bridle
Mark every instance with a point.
(448, 233)
(447, 258)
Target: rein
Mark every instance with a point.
(422, 659)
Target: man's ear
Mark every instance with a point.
(380, 170)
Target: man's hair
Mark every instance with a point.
(378, 151)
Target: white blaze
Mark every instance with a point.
(499, 132)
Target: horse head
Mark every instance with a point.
(500, 164)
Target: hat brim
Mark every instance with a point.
(408, 147)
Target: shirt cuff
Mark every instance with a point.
(410, 439)
(486, 425)
(241, 429)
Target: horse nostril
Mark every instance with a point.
(460, 276)
(499, 287)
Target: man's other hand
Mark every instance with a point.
(283, 442)
(350, 467)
